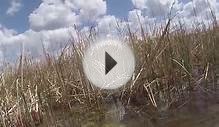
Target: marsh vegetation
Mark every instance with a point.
(177, 74)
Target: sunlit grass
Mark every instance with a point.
(55, 91)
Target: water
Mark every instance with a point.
(201, 110)
(210, 118)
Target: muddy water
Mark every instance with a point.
(209, 118)
(199, 111)
(202, 110)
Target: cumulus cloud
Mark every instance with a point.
(6, 33)
(195, 8)
(199, 11)
(155, 8)
(140, 4)
(192, 11)
(136, 19)
(88, 9)
(51, 24)
(107, 25)
(15, 6)
(54, 14)
(52, 40)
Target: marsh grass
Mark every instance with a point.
(55, 91)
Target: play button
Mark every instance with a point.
(109, 64)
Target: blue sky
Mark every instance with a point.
(51, 22)
(119, 8)
(19, 21)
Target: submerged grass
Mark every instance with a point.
(55, 91)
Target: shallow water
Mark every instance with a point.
(202, 110)
(209, 118)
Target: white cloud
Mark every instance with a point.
(195, 8)
(88, 9)
(190, 12)
(137, 20)
(199, 11)
(15, 6)
(6, 33)
(54, 14)
(155, 8)
(107, 25)
(53, 40)
(140, 4)
(52, 22)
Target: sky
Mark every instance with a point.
(50, 23)
(18, 20)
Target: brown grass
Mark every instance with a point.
(169, 66)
